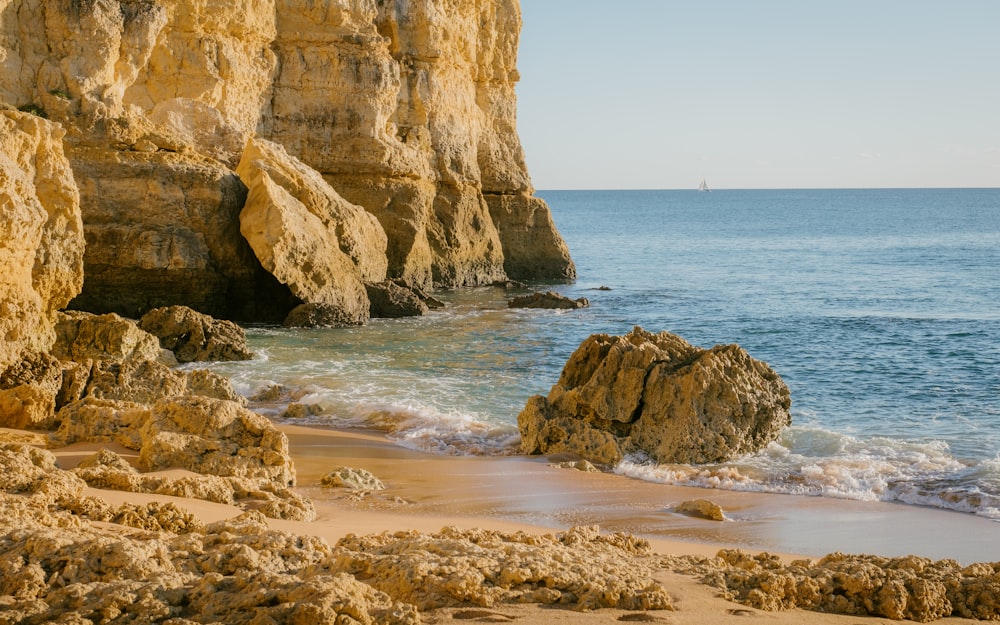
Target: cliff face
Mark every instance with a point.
(41, 235)
(406, 109)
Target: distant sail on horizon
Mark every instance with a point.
(703, 186)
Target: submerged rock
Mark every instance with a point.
(318, 316)
(658, 395)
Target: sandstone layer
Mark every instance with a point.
(658, 395)
(407, 110)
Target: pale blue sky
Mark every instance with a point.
(760, 93)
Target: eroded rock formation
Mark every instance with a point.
(41, 234)
(407, 110)
(910, 587)
(548, 299)
(192, 336)
(659, 395)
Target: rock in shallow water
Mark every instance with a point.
(658, 395)
(549, 299)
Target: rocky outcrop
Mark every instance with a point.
(390, 300)
(575, 568)
(659, 395)
(28, 392)
(550, 300)
(192, 336)
(107, 470)
(406, 110)
(230, 455)
(909, 587)
(533, 248)
(41, 234)
(188, 250)
(84, 336)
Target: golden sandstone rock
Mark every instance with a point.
(192, 336)
(307, 236)
(406, 110)
(658, 395)
(41, 243)
(909, 587)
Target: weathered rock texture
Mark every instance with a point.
(41, 234)
(192, 336)
(407, 110)
(82, 336)
(57, 565)
(28, 392)
(910, 587)
(355, 479)
(579, 568)
(160, 564)
(390, 300)
(659, 395)
(548, 299)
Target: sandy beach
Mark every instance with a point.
(531, 492)
(426, 493)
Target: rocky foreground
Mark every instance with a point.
(68, 555)
(299, 161)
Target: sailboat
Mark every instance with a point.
(703, 186)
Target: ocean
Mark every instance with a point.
(879, 308)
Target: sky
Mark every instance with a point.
(657, 94)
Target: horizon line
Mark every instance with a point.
(696, 190)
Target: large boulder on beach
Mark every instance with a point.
(659, 395)
(214, 437)
(200, 434)
(192, 336)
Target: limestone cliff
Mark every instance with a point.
(41, 235)
(407, 110)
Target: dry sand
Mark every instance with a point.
(427, 492)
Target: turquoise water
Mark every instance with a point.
(879, 308)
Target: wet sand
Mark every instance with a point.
(426, 491)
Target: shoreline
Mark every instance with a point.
(501, 491)
(524, 496)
